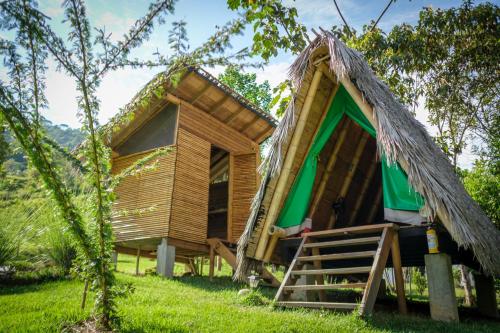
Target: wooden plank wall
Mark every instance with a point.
(190, 195)
(138, 214)
(244, 187)
(210, 129)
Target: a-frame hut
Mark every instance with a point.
(349, 165)
(202, 188)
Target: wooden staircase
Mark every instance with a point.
(348, 246)
(217, 246)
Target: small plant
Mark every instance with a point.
(61, 251)
(254, 298)
(420, 281)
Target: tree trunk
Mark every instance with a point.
(467, 285)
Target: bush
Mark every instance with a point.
(420, 281)
(254, 298)
(7, 249)
(61, 251)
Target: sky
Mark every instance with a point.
(119, 87)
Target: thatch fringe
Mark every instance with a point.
(401, 138)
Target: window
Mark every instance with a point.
(159, 131)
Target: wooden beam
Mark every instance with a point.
(330, 165)
(263, 134)
(350, 174)
(230, 191)
(233, 115)
(201, 93)
(212, 263)
(362, 193)
(249, 124)
(398, 274)
(375, 207)
(320, 279)
(182, 244)
(287, 166)
(373, 283)
(216, 108)
(138, 258)
(202, 115)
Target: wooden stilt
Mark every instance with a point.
(138, 257)
(219, 263)
(398, 274)
(320, 279)
(350, 174)
(212, 263)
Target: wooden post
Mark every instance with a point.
(350, 174)
(374, 208)
(212, 263)
(137, 260)
(373, 283)
(362, 193)
(84, 296)
(330, 165)
(320, 279)
(290, 156)
(219, 263)
(230, 198)
(398, 274)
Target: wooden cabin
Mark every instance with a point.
(203, 187)
(353, 182)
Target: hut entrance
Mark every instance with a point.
(347, 189)
(342, 182)
(218, 193)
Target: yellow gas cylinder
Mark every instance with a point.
(432, 240)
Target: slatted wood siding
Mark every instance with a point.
(190, 195)
(209, 128)
(143, 205)
(244, 187)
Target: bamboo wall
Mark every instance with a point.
(190, 196)
(318, 108)
(243, 188)
(173, 200)
(143, 204)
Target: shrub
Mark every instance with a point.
(420, 281)
(7, 249)
(254, 298)
(61, 251)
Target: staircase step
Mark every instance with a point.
(339, 256)
(326, 286)
(334, 271)
(319, 305)
(373, 228)
(345, 242)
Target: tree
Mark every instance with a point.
(483, 184)
(266, 17)
(246, 85)
(86, 59)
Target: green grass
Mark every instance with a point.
(194, 304)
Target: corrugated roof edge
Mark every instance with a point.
(242, 100)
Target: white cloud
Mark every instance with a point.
(117, 25)
(52, 8)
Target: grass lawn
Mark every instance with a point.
(194, 304)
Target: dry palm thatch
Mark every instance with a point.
(400, 137)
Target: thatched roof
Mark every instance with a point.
(401, 138)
